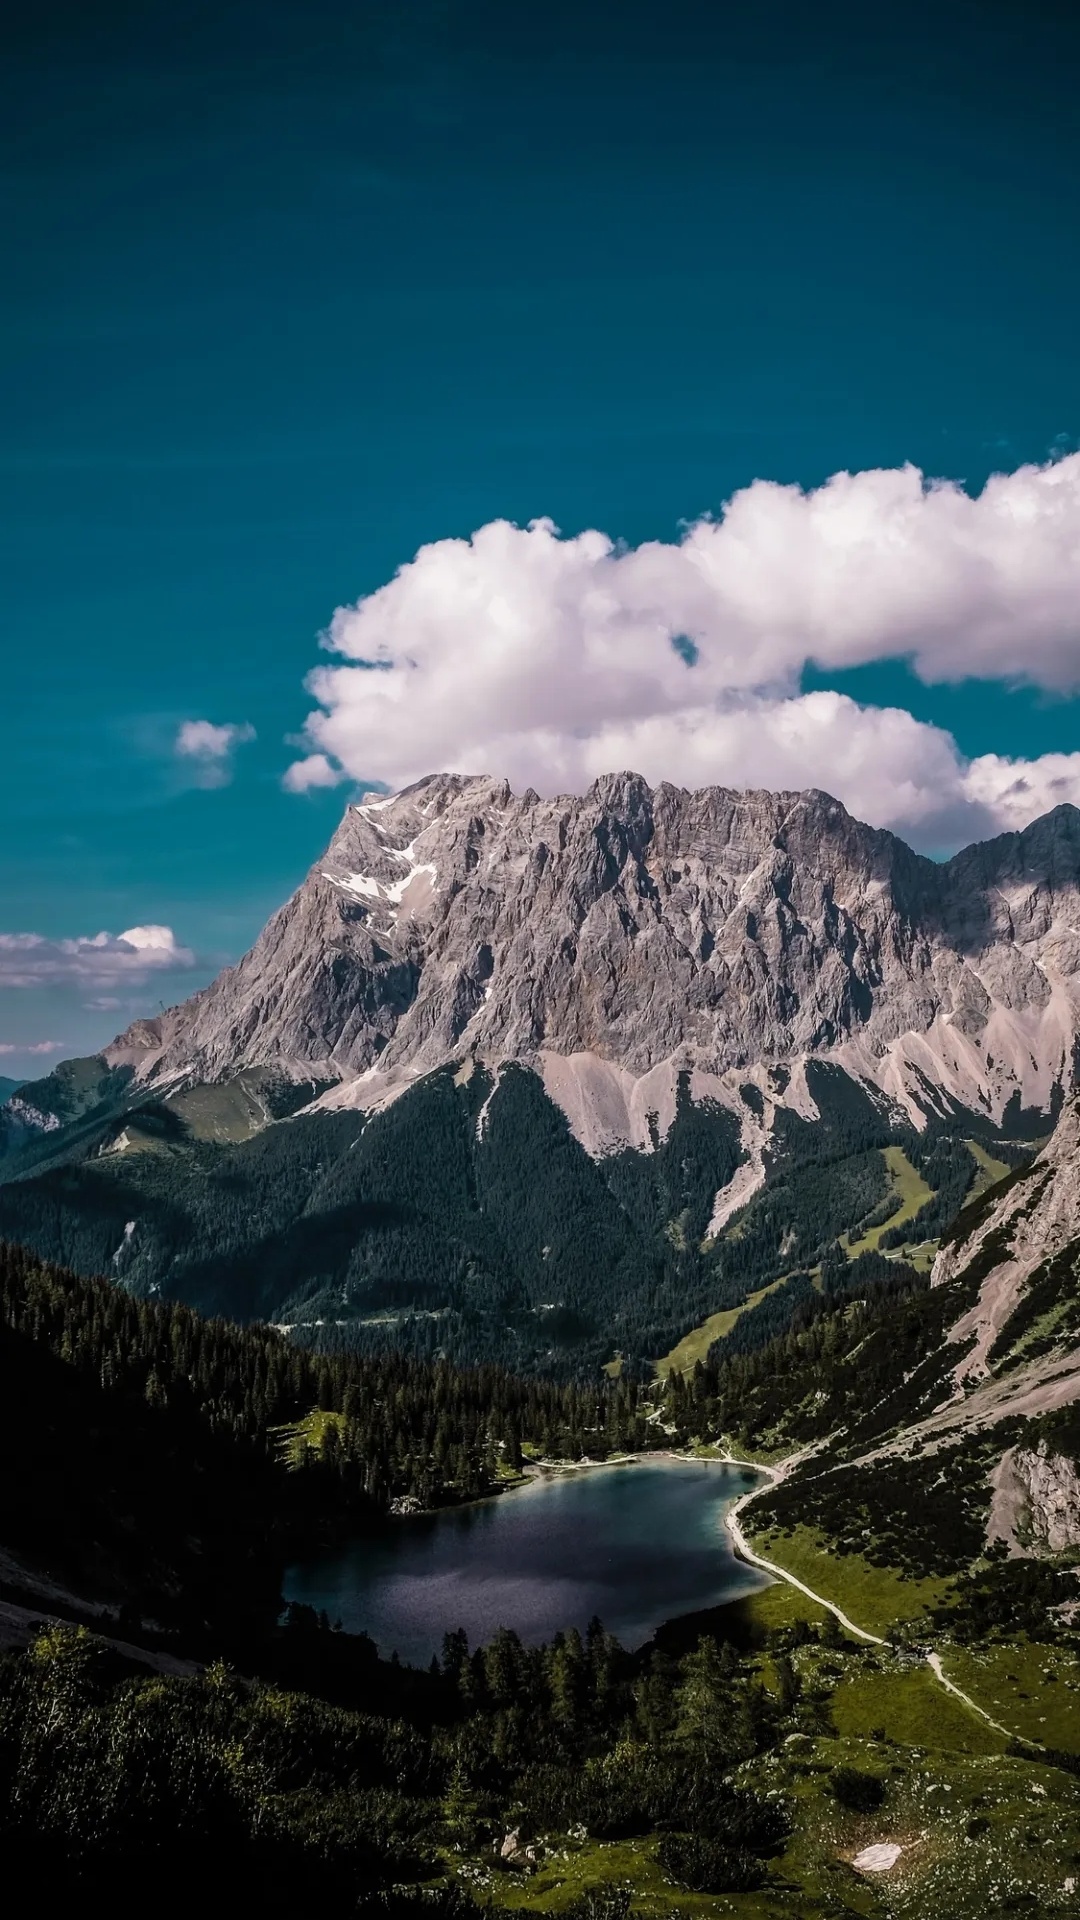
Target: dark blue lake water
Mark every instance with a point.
(637, 1544)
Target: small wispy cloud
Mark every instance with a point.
(36, 1047)
(100, 960)
(209, 748)
(314, 771)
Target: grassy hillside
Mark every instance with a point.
(735, 1773)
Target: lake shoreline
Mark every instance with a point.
(536, 1472)
(638, 1546)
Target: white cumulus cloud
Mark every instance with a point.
(35, 1047)
(313, 771)
(209, 748)
(552, 660)
(91, 960)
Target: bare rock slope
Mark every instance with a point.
(630, 932)
(1051, 1485)
(1013, 1247)
(614, 938)
(1012, 1262)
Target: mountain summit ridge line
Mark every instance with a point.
(648, 931)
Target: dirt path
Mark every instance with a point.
(746, 1552)
(933, 1661)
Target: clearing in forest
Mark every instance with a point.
(694, 1346)
(913, 1193)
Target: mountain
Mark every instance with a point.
(633, 1082)
(992, 1341)
(7, 1088)
(554, 1081)
(613, 939)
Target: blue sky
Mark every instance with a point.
(298, 290)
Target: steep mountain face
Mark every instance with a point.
(618, 938)
(553, 1081)
(953, 1407)
(1019, 1252)
(1050, 1484)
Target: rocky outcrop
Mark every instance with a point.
(640, 932)
(1051, 1485)
(22, 1113)
(1035, 1219)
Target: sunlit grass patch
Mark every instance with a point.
(978, 1834)
(694, 1346)
(576, 1868)
(299, 1438)
(990, 1171)
(773, 1608)
(1013, 1683)
(571, 1867)
(913, 1192)
(874, 1598)
(908, 1706)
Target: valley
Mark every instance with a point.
(279, 1286)
(540, 961)
(426, 1112)
(844, 1722)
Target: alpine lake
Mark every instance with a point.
(638, 1544)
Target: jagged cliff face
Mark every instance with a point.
(1051, 1487)
(1035, 1222)
(614, 938)
(1017, 1341)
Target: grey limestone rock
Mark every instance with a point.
(1051, 1484)
(636, 927)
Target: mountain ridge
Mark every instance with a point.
(554, 1082)
(647, 931)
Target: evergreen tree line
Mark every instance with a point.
(121, 1408)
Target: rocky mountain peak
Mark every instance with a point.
(649, 931)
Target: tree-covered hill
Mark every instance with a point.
(467, 1220)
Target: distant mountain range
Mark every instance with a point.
(555, 1081)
